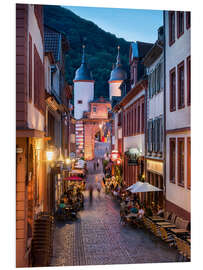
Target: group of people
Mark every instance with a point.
(132, 210)
(113, 187)
(72, 199)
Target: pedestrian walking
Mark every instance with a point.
(94, 166)
(90, 193)
(98, 186)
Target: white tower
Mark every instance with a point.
(83, 88)
(116, 78)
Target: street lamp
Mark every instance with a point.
(68, 161)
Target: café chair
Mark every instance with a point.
(147, 222)
(155, 230)
(167, 237)
(183, 250)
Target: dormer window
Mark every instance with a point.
(94, 109)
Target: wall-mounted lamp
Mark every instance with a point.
(68, 161)
(50, 153)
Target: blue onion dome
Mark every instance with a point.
(83, 73)
(118, 73)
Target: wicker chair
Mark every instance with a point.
(183, 250)
(167, 237)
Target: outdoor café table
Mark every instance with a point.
(156, 218)
(131, 215)
(179, 231)
(166, 225)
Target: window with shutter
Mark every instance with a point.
(161, 75)
(171, 27)
(181, 94)
(138, 119)
(181, 158)
(172, 89)
(161, 134)
(39, 92)
(149, 86)
(151, 135)
(155, 134)
(158, 134)
(153, 83)
(149, 129)
(143, 117)
(132, 120)
(148, 137)
(180, 23)
(158, 79)
(188, 23)
(172, 149)
(30, 68)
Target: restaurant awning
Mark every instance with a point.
(73, 178)
(77, 171)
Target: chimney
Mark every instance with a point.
(161, 34)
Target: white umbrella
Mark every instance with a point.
(144, 187)
(134, 186)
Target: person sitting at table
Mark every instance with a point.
(132, 213)
(140, 212)
(160, 211)
(134, 208)
(61, 208)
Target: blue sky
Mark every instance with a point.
(131, 24)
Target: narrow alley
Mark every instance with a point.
(97, 237)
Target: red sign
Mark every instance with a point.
(115, 155)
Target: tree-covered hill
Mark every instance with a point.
(101, 46)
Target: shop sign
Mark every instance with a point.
(155, 166)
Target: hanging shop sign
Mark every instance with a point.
(132, 156)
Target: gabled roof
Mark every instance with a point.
(139, 49)
(53, 40)
(153, 53)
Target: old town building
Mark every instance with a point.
(58, 95)
(117, 77)
(177, 112)
(154, 152)
(42, 121)
(89, 113)
(30, 126)
(130, 116)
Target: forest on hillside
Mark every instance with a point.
(101, 46)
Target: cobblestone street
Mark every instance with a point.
(98, 237)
